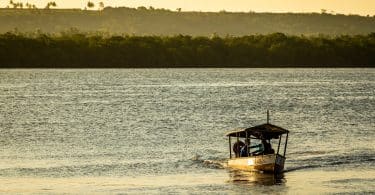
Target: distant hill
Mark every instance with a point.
(143, 21)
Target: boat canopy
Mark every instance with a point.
(264, 131)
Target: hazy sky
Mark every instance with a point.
(362, 7)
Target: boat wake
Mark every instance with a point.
(360, 158)
(209, 163)
(300, 168)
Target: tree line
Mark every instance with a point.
(20, 5)
(84, 50)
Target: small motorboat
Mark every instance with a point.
(253, 150)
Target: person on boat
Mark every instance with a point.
(267, 147)
(237, 148)
(244, 150)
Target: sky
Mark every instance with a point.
(361, 7)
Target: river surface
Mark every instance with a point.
(142, 131)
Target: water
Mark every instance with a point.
(162, 130)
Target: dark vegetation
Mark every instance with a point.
(151, 21)
(79, 50)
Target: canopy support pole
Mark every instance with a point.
(238, 146)
(286, 143)
(278, 147)
(247, 146)
(230, 148)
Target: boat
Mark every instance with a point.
(259, 156)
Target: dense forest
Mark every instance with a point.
(149, 21)
(82, 50)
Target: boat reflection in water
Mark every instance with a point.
(255, 178)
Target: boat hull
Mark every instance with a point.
(266, 163)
